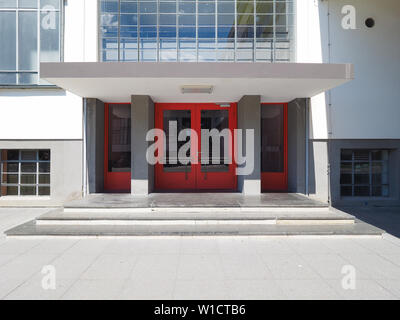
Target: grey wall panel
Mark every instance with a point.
(95, 145)
(142, 174)
(249, 117)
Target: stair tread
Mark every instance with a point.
(215, 215)
(32, 229)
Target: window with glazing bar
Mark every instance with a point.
(364, 173)
(30, 33)
(25, 172)
(197, 30)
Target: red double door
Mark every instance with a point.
(197, 167)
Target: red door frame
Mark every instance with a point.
(174, 181)
(278, 181)
(195, 179)
(113, 181)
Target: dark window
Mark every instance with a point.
(272, 138)
(364, 173)
(119, 139)
(25, 172)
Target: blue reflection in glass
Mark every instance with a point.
(148, 32)
(167, 32)
(206, 32)
(128, 32)
(226, 32)
(187, 32)
(129, 7)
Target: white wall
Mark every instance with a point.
(53, 114)
(367, 107)
(40, 114)
(309, 49)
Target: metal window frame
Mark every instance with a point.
(289, 11)
(19, 71)
(370, 162)
(20, 161)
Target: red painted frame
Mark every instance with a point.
(113, 181)
(195, 179)
(278, 181)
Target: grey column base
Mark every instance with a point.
(251, 187)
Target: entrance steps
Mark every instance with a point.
(194, 221)
(196, 216)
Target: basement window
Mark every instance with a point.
(25, 172)
(364, 173)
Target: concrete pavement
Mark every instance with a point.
(197, 267)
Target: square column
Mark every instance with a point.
(94, 145)
(249, 117)
(142, 120)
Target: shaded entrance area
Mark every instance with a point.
(273, 104)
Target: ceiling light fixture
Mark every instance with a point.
(197, 89)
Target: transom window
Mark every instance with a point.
(25, 172)
(30, 34)
(196, 30)
(364, 173)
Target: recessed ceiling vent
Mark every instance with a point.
(197, 89)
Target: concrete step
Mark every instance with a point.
(182, 209)
(292, 216)
(31, 229)
(194, 201)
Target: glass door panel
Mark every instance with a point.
(174, 121)
(272, 138)
(219, 120)
(119, 135)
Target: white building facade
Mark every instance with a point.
(83, 81)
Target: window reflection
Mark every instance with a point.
(119, 135)
(176, 120)
(260, 24)
(272, 137)
(29, 34)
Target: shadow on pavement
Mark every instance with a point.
(386, 218)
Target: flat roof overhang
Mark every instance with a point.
(117, 81)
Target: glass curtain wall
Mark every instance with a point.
(196, 30)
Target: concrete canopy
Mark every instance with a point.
(117, 81)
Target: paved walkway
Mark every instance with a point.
(197, 268)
